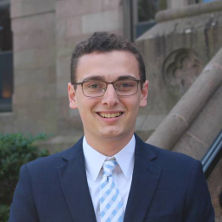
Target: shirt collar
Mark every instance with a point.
(94, 159)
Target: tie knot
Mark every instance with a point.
(109, 166)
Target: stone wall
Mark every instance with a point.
(176, 50)
(182, 43)
(175, 4)
(34, 104)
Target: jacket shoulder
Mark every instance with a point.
(167, 158)
(55, 160)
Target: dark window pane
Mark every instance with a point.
(148, 8)
(6, 72)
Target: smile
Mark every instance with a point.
(110, 115)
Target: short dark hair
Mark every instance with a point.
(105, 42)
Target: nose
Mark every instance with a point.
(110, 98)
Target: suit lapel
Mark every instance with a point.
(144, 183)
(74, 185)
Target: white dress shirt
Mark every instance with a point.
(122, 174)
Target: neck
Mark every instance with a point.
(108, 146)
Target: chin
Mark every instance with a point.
(110, 132)
(113, 133)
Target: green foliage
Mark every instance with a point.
(4, 212)
(15, 150)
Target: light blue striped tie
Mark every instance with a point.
(111, 205)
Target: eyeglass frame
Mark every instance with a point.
(107, 83)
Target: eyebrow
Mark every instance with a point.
(126, 77)
(123, 77)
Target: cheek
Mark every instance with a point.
(132, 104)
(86, 104)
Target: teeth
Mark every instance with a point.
(110, 115)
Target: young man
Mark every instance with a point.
(110, 174)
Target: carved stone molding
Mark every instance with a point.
(180, 69)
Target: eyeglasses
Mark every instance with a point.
(97, 88)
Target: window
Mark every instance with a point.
(147, 10)
(208, 0)
(6, 72)
(205, 1)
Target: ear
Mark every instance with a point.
(72, 96)
(144, 94)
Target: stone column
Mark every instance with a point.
(34, 100)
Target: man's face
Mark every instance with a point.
(108, 116)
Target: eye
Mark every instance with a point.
(125, 85)
(93, 85)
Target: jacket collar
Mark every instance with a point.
(145, 181)
(74, 184)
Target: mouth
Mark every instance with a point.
(110, 115)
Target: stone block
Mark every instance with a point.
(61, 29)
(61, 87)
(69, 120)
(65, 45)
(44, 76)
(34, 24)
(73, 26)
(34, 84)
(210, 117)
(33, 58)
(63, 66)
(67, 8)
(59, 143)
(146, 122)
(7, 122)
(24, 94)
(111, 5)
(103, 21)
(192, 146)
(38, 116)
(63, 75)
(175, 4)
(39, 36)
(21, 8)
(199, 137)
(25, 42)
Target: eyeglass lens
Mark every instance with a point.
(94, 88)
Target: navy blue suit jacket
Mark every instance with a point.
(166, 187)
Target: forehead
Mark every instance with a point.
(109, 65)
